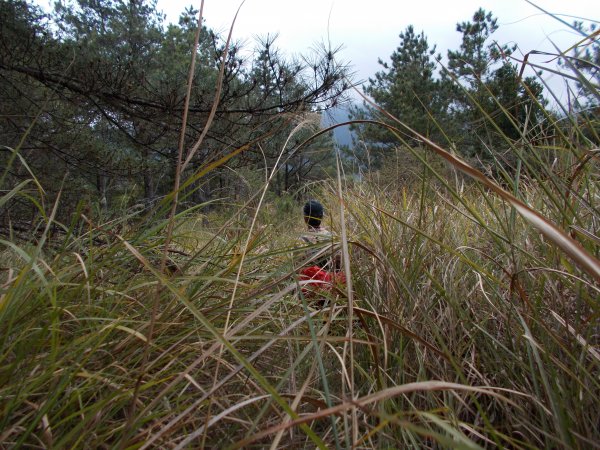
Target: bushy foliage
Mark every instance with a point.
(448, 103)
(102, 85)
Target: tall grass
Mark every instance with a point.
(468, 324)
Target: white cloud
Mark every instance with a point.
(369, 29)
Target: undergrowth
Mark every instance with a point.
(491, 331)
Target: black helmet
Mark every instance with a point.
(313, 213)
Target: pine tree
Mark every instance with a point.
(487, 97)
(406, 88)
(116, 77)
(584, 62)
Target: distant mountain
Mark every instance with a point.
(342, 135)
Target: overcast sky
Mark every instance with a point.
(369, 29)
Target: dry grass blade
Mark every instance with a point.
(566, 243)
(188, 440)
(350, 294)
(219, 87)
(222, 381)
(389, 322)
(369, 399)
(589, 349)
(214, 347)
(14, 191)
(169, 234)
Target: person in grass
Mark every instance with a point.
(322, 256)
